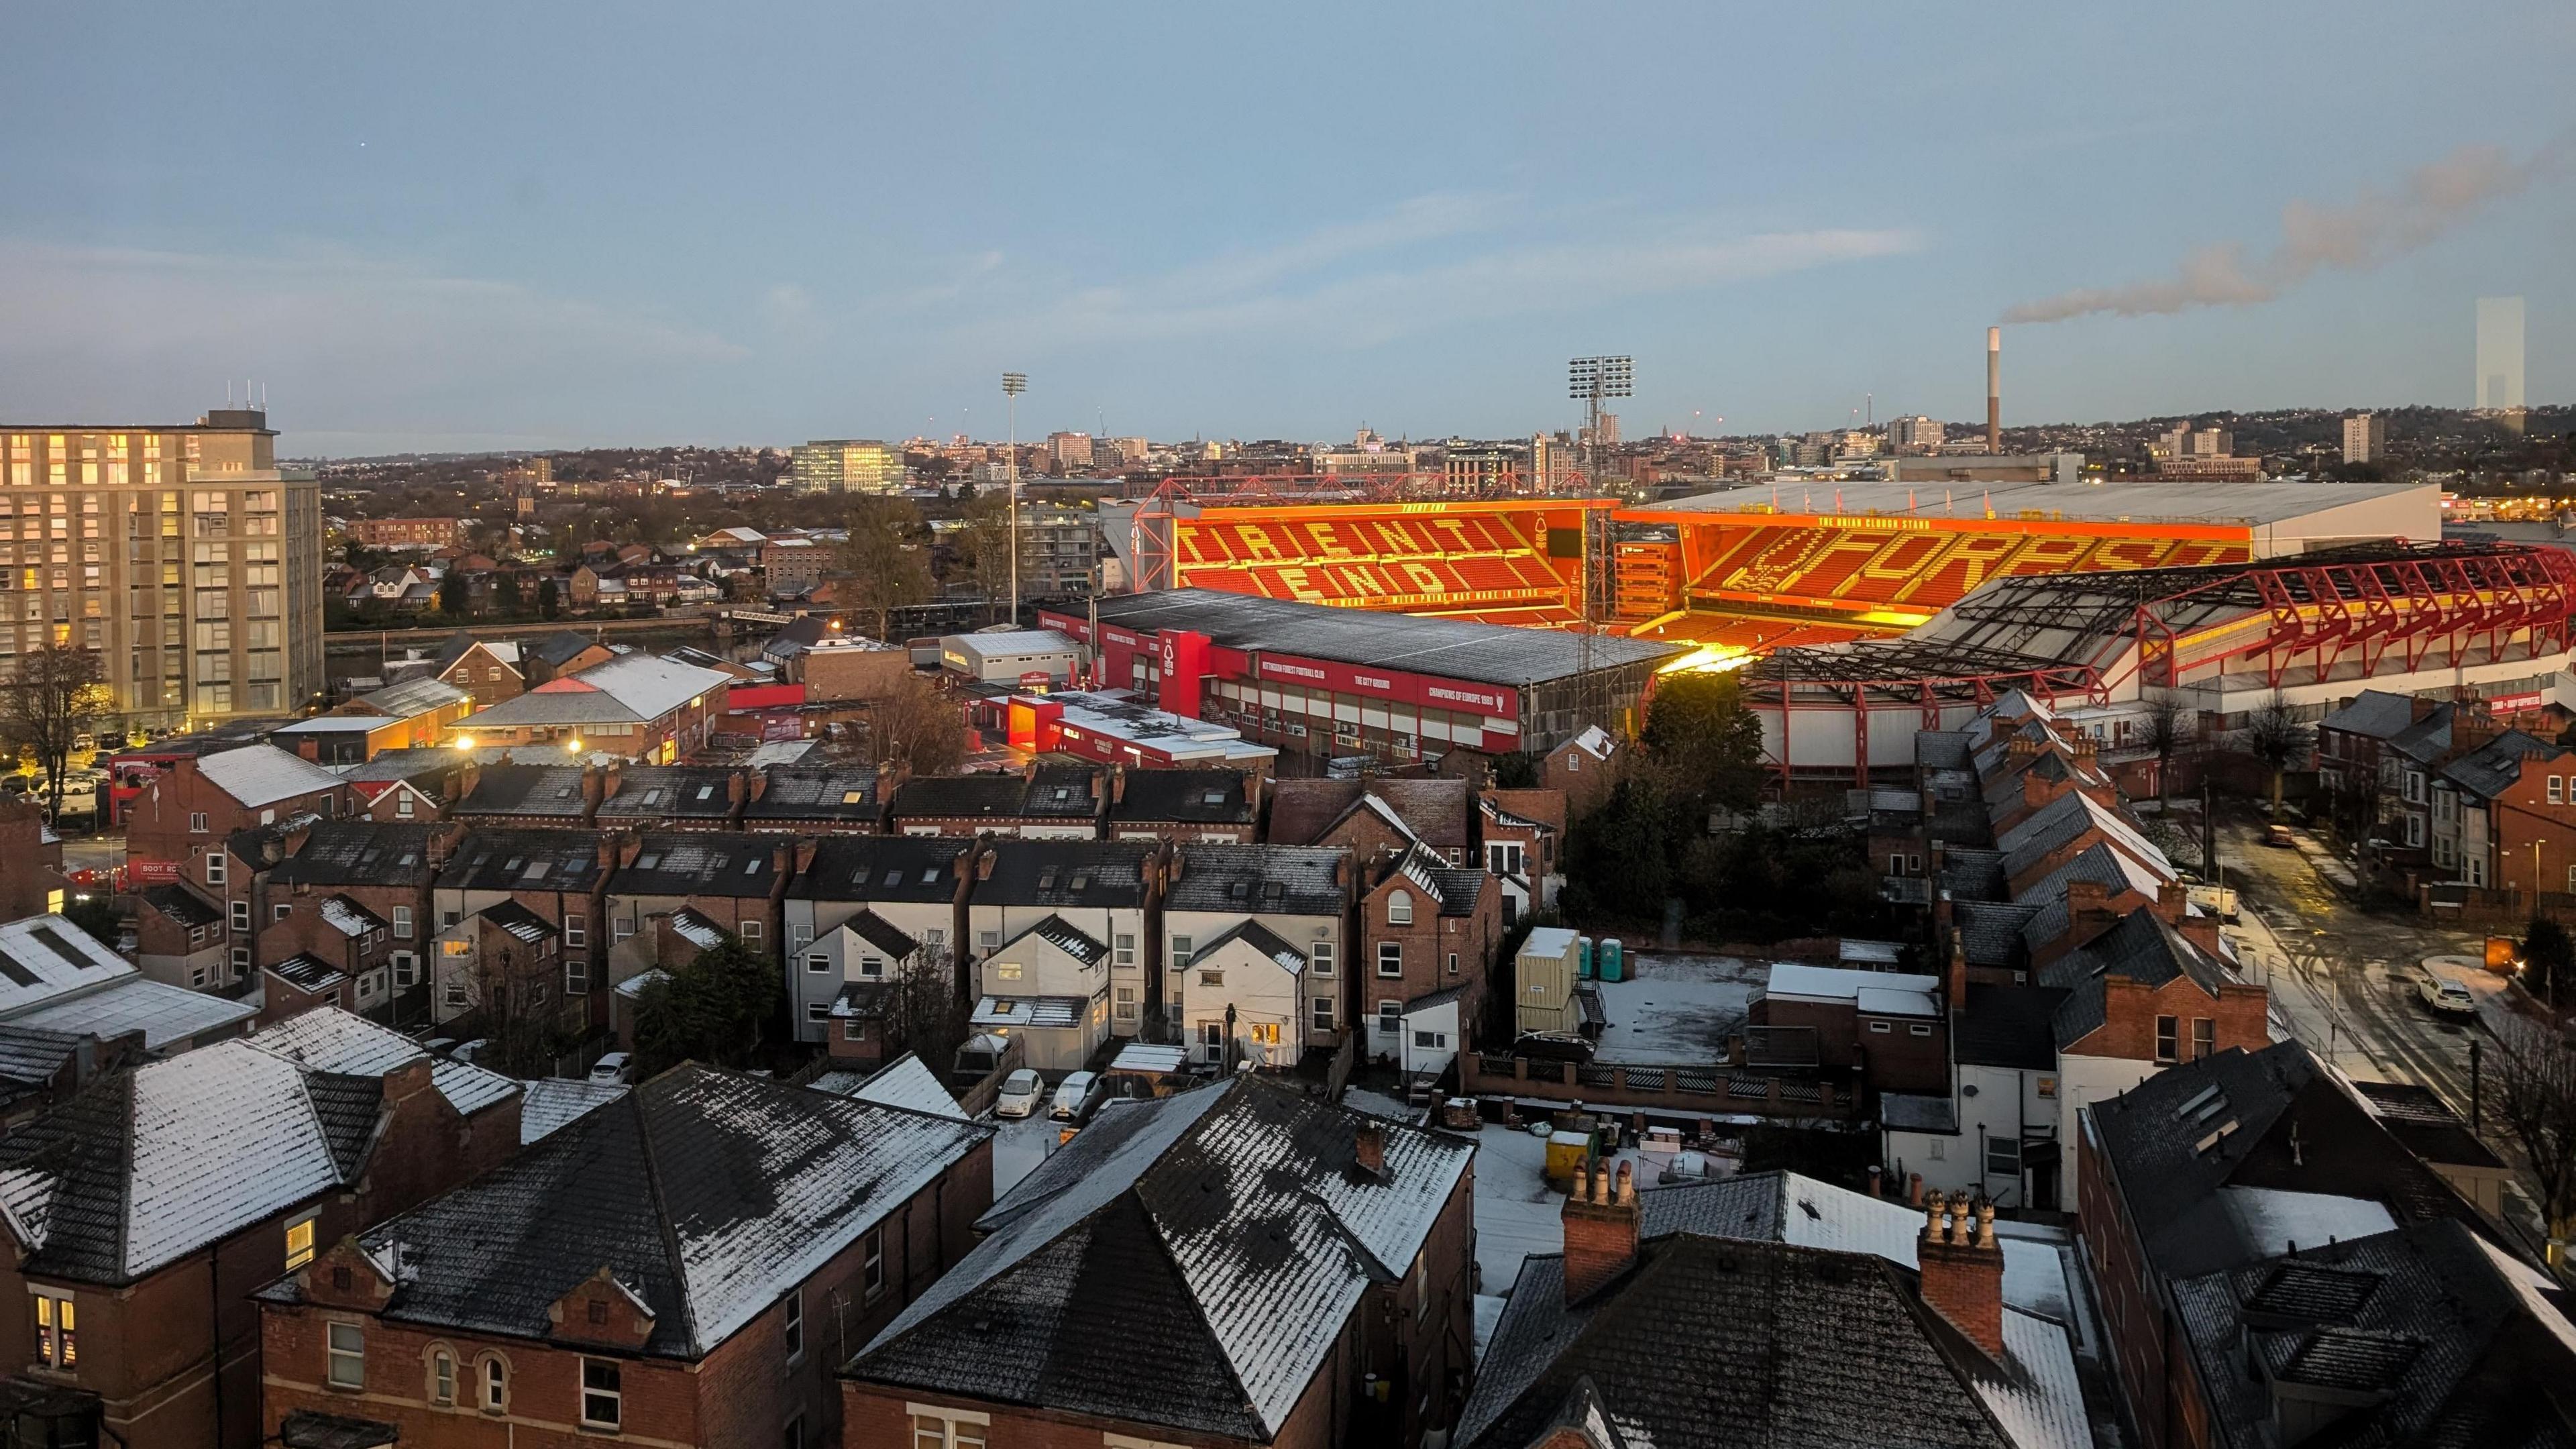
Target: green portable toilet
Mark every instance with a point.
(1611, 963)
(1583, 958)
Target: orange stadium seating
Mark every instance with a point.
(1475, 565)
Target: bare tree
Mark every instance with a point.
(918, 725)
(2165, 728)
(2275, 736)
(926, 1013)
(887, 561)
(517, 1006)
(57, 694)
(2535, 1079)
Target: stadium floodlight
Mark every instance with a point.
(1589, 379)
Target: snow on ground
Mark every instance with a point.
(1019, 1146)
(1517, 1213)
(2035, 1268)
(1379, 1104)
(1676, 1009)
(1489, 1312)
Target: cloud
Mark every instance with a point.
(2370, 231)
(355, 338)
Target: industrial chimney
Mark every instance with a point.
(1994, 390)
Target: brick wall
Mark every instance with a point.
(157, 825)
(2131, 1011)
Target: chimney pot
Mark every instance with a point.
(1368, 1149)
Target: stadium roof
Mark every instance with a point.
(2145, 501)
(1451, 648)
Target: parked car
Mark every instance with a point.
(2445, 996)
(2279, 837)
(1021, 1092)
(1079, 1095)
(616, 1069)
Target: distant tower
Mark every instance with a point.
(1994, 390)
(2499, 380)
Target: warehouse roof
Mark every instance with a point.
(1451, 648)
(631, 688)
(2121, 502)
(257, 775)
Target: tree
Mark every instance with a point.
(549, 598)
(712, 1010)
(505, 593)
(2164, 729)
(982, 545)
(1698, 730)
(453, 596)
(925, 1013)
(2275, 736)
(517, 1003)
(2548, 959)
(918, 725)
(57, 695)
(1618, 856)
(888, 566)
(2535, 1097)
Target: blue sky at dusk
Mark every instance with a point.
(521, 225)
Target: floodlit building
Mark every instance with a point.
(846, 465)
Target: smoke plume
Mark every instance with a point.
(2372, 230)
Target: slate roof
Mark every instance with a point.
(560, 646)
(309, 974)
(880, 868)
(816, 792)
(519, 921)
(698, 862)
(547, 790)
(2180, 1141)
(349, 918)
(181, 905)
(907, 1083)
(2096, 862)
(336, 1041)
(1991, 932)
(2417, 1116)
(553, 1103)
(706, 1194)
(1223, 1234)
(2494, 767)
(498, 859)
(1195, 797)
(1291, 880)
(358, 853)
(413, 764)
(1438, 811)
(1261, 938)
(1973, 873)
(1051, 792)
(881, 933)
(2009, 1026)
(669, 792)
(2141, 947)
(2428, 738)
(1065, 936)
(2066, 819)
(31, 1055)
(2373, 713)
(1453, 888)
(1092, 873)
(2443, 1340)
(257, 775)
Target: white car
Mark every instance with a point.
(2445, 996)
(1021, 1092)
(1078, 1096)
(615, 1069)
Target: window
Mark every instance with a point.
(1319, 957)
(751, 930)
(280, 911)
(402, 803)
(57, 1336)
(988, 940)
(2557, 789)
(299, 1242)
(818, 963)
(496, 1386)
(1503, 857)
(1126, 1003)
(1390, 958)
(2414, 787)
(214, 867)
(1390, 1017)
(576, 931)
(402, 923)
(442, 1376)
(818, 1011)
(2048, 1086)
(795, 1325)
(241, 961)
(1180, 953)
(1431, 1040)
(345, 1355)
(2003, 1157)
(601, 1399)
(2204, 1038)
(872, 1247)
(2166, 1032)
(1211, 978)
(197, 822)
(1882, 1027)
(1918, 1029)
(1453, 963)
(1125, 947)
(576, 976)
(1399, 908)
(1323, 1013)
(934, 1427)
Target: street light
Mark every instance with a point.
(1013, 384)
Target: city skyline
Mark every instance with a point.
(690, 236)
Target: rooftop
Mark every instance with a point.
(631, 688)
(1295, 880)
(257, 775)
(2106, 502)
(496, 859)
(881, 868)
(1451, 648)
(670, 792)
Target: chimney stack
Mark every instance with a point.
(1963, 1268)
(1994, 390)
(1601, 1226)
(1368, 1149)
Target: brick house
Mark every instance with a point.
(179, 937)
(561, 653)
(1888, 1027)
(670, 797)
(1368, 816)
(145, 1210)
(733, 881)
(415, 714)
(1304, 895)
(523, 910)
(179, 823)
(2219, 1165)
(1212, 807)
(1582, 769)
(32, 882)
(1426, 946)
(405, 786)
(1520, 833)
(634, 706)
(488, 670)
(688, 1262)
(920, 885)
(282, 882)
(2504, 816)
(1323, 1295)
(1043, 802)
(1108, 890)
(319, 937)
(818, 799)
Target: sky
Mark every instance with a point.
(474, 226)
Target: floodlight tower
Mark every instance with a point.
(1013, 384)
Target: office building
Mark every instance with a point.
(179, 552)
(2365, 438)
(2499, 380)
(1485, 467)
(847, 465)
(1917, 434)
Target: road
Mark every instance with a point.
(2343, 980)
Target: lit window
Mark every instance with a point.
(602, 1402)
(346, 1352)
(57, 1345)
(299, 1242)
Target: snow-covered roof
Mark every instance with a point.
(42, 957)
(554, 1103)
(336, 1041)
(908, 1083)
(631, 688)
(696, 929)
(349, 918)
(1835, 983)
(168, 1016)
(257, 775)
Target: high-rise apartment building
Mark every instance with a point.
(2499, 381)
(2365, 438)
(846, 465)
(1071, 450)
(181, 553)
(1915, 435)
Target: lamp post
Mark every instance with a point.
(1013, 384)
